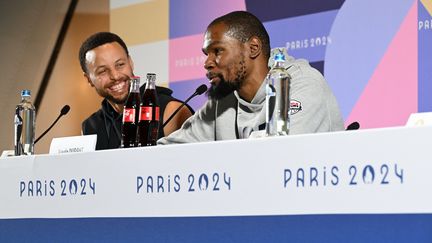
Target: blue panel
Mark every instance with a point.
(305, 36)
(184, 89)
(277, 9)
(309, 228)
(191, 17)
(424, 60)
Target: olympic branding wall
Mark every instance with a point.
(374, 54)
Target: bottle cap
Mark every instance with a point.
(151, 76)
(279, 57)
(26, 92)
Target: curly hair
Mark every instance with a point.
(96, 40)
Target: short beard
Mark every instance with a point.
(224, 87)
(109, 97)
(220, 91)
(117, 101)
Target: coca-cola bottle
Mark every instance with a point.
(131, 115)
(148, 125)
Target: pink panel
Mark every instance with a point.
(186, 60)
(391, 94)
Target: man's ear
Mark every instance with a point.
(88, 79)
(255, 47)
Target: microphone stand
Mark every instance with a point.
(199, 91)
(178, 109)
(46, 131)
(63, 112)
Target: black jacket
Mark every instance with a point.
(106, 122)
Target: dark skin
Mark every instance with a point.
(242, 65)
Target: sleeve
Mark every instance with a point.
(313, 106)
(87, 127)
(83, 128)
(197, 128)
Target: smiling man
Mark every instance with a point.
(107, 66)
(237, 47)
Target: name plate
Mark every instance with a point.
(419, 119)
(7, 153)
(74, 144)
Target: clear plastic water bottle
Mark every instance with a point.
(25, 122)
(277, 97)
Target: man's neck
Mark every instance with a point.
(117, 107)
(252, 84)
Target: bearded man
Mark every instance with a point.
(237, 47)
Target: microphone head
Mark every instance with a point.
(353, 126)
(65, 110)
(201, 89)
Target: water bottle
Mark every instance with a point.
(25, 122)
(277, 97)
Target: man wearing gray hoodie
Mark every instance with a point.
(237, 47)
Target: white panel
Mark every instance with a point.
(151, 58)
(356, 172)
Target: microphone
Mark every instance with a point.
(63, 112)
(199, 91)
(353, 126)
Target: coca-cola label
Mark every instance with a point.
(146, 113)
(129, 115)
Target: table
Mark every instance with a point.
(350, 186)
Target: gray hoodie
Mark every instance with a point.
(313, 109)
